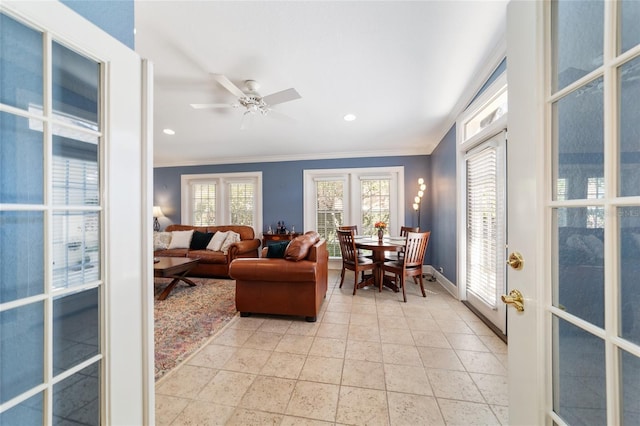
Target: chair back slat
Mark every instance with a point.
(347, 246)
(415, 248)
(404, 230)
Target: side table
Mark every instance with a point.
(267, 238)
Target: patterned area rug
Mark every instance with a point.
(188, 317)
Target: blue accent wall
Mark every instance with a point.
(115, 17)
(282, 186)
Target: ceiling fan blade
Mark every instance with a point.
(280, 97)
(210, 106)
(227, 84)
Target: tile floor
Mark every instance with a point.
(369, 359)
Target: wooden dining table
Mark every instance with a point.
(379, 248)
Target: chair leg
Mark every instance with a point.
(341, 277)
(404, 294)
(355, 282)
(424, 293)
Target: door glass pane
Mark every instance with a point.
(21, 349)
(330, 212)
(20, 66)
(629, 17)
(76, 329)
(630, 374)
(578, 143)
(21, 255)
(578, 30)
(21, 160)
(76, 248)
(578, 284)
(629, 122)
(75, 171)
(375, 204)
(579, 394)
(76, 399)
(75, 88)
(28, 412)
(629, 240)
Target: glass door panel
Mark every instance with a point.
(629, 128)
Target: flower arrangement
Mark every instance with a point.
(380, 226)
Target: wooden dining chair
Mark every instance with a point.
(410, 265)
(396, 255)
(350, 258)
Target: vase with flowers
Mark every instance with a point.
(380, 226)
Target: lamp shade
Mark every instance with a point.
(157, 211)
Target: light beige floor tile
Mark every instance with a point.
(247, 323)
(412, 410)
(494, 388)
(453, 326)
(363, 350)
(363, 374)
(269, 394)
(416, 309)
(212, 356)
(467, 342)
(481, 362)
(369, 320)
(393, 353)
(294, 344)
(396, 335)
(263, 340)
(359, 406)
(244, 417)
(335, 331)
(462, 413)
(422, 324)
(227, 388)
(204, 413)
(187, 381)
(233, 337)
(480, 328)
(444, 314)
(314, 400)
(440, 358)
(168, 408)
(336, 317)
(338, 307)
(322, 369)
(300, 421)
(494, 343)
(407, 379)
(364, 308)
(327, 347)
(454, 385)
(502, 413)
(275, 325)
(503, 358)
(303, 328)
(284, 365)
(430, 338)
(366, 296)
(369, 333)
(248, 360)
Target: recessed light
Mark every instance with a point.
(349, 117)
(169, 132)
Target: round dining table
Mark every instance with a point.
(379, 247)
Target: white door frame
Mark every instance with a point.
(127, 390)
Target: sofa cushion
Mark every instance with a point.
(232, 237)
(200, 240)
(161, 240)
(299, 247)
(277, 250)
(180, 239)
(216, 242)
(208, 256)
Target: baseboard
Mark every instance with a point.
(443, 281)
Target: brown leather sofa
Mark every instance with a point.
(283, 286)
(215, 263)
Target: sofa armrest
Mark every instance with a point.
(278, 270)
(242, 247)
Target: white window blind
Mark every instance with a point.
(330, 211)
(203, 204)
(485, 234)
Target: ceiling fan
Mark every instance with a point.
(252, 102)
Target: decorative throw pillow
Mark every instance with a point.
(161, 240)
(299, 248)
(276, 250)
(200, 240)
(180, 239)
(233, 237)
(216, 242)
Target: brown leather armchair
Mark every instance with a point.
(282, 286)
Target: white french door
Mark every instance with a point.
(574, 209)
(74, 341)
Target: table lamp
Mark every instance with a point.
(157, 212)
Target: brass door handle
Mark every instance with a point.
(514, 298)
(516, 261)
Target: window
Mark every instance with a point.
(359, 197)
(222, 199)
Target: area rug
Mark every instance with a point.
(188, 317)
